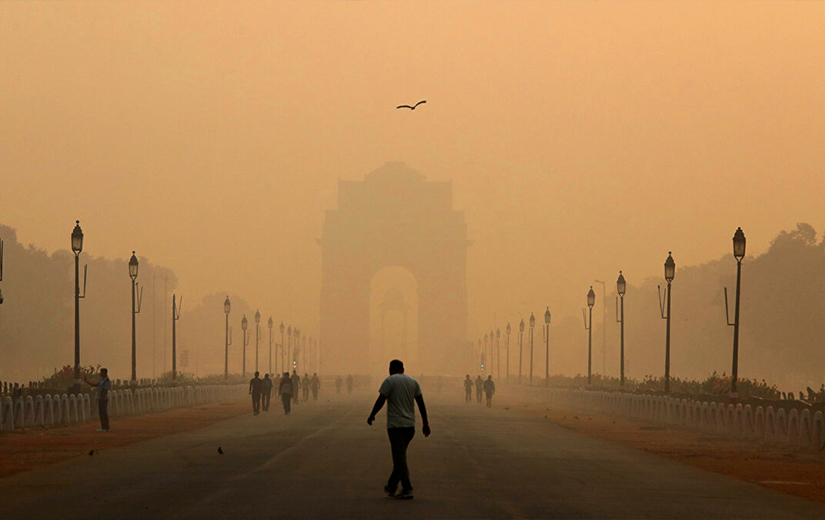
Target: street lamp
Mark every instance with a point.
(226, 308)
(547, 347)
(175, 318)
(77, 247)
(532, 326)
(257, 335)
(621, 288)
(588, 325)
(281, 328)
(738, 254)
(270, 323)
(670, 273)
(244, 325)
(485, 348)
(498, 353)
(520, 338)
(507, 348)
(289, 348)
(133, 273)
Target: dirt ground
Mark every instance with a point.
(23, 450)
(793, 471)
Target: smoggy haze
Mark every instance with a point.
(580, 137)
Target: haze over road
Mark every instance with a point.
(323, 461)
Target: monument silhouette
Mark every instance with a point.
(394, 218)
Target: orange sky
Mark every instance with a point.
(581, 137)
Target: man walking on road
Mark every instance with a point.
(102, 388)
(338, 384)
(305, 387)
(296, 386)
(285, 391)
(489, 390)
(255, 387)
(349, 384)
(267, 392)
(479, 384)
(315, 384)
(468, 389)
(399, 391)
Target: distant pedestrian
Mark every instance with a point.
(315, 384)
(399, 391)
(285, 390)
(489, 390)
(296, 386)
(338, 384)
(266, 392)
(479, 384)
(349, 384)
(255, 387)
(468, 389)
(102, 388)
(305, 387)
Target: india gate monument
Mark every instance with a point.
(394, 281)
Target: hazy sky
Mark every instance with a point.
(581, 137)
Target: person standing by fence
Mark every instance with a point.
(102, 389)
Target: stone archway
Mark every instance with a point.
(395, 217)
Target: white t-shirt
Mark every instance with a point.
(400, 391)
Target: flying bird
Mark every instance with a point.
(91, 453)
(220, 451)
(412, 107)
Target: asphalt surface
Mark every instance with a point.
(324, 461)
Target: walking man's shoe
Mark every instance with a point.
(404, 495)
(388, 491)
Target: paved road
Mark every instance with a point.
(323, 461)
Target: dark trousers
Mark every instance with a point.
(265, 398)
(314, 394)
(399, 440)
(287, 400)
(478, 394)
(256, 402)
(489, 398)
(103, 411)
(468, 395)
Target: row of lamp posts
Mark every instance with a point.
(289, 351)
(739, 243)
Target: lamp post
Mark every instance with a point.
(604, 326)
(507, 348)
(271, 324)
(175, 318)
(257, 335)
(133, 273)
(281, 328)
(621, 288)
(498, 353)
(520, 344)
(244, 325)
(738, 254)
(485, 349)
(547, 347)
(289, 348)
(532, 326)
(77, 247)
(226, 308)
(670, 273)
(588, 325)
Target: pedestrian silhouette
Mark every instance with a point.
(255, 388)
(468, 389)
(479, 384)
(400, 392)
(285, 391)
(338, 384)
(489, 389)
